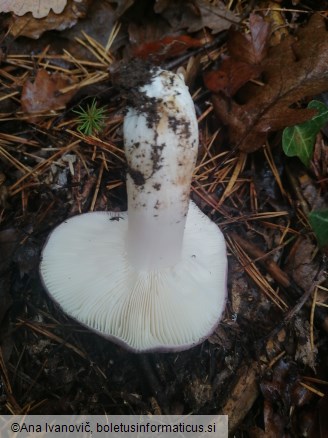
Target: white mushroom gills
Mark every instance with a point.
(161, 150)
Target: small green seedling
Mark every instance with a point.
(299, 140)
(92, 119)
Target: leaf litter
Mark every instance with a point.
(34, 26)
(291, 72)
(266, 365)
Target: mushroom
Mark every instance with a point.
(153, 279)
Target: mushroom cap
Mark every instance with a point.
(85, 269)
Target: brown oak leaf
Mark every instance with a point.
(243, 64)
(44, 94)
(196, 15)
(253, 47)
(293, 70)
(230, 76)
(31, 27)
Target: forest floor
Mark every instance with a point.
(252, 68)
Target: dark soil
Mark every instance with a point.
(266, 365)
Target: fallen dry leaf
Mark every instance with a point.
(293, 70)
(43, 94)
(196, 15)
(162, 35)
(246, 53)
(302, 265)
(38, 8)
(98, 24)
(32, 27)
(253, 47)
(230, 76)
(166, 47)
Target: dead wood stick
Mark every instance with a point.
(243, 395)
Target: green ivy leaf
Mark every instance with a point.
(299, 140)
(319, 222)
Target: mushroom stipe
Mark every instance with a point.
(155, 280)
